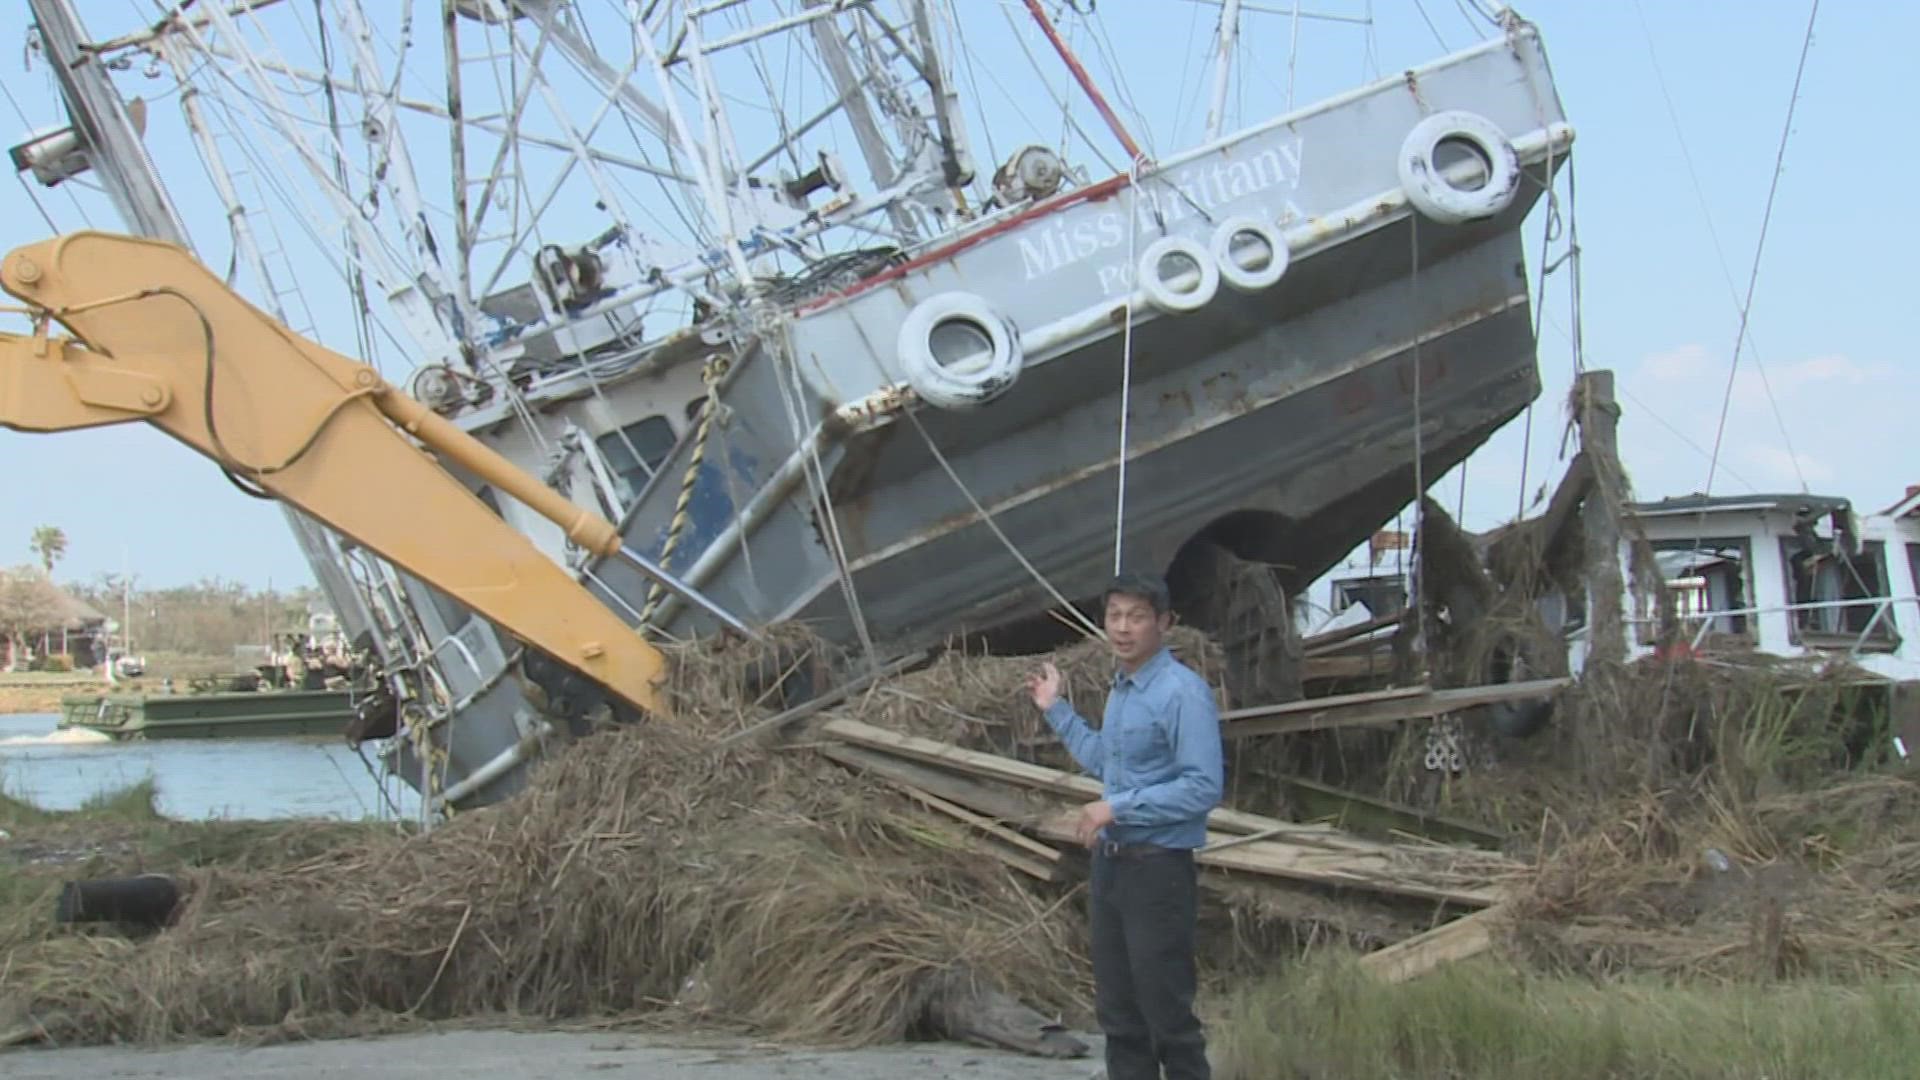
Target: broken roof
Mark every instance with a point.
(1721, 504)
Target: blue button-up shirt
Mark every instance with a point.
(1157, 752)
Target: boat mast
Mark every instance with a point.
(1223, 63)
(852, 91)
(410, 298)
(956, 163)
(457, 147)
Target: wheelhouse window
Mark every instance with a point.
(1838, 596)
(635, 452)
(1709, 587)
(1383, 594)
(1913, 565)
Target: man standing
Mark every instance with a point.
(1157, 753)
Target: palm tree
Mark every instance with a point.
(50, 544)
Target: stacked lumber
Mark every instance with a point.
(1024, 814)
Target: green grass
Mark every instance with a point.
(130, 805)
(1324, 1018)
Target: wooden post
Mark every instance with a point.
(1599, 418)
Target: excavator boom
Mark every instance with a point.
(158, 338)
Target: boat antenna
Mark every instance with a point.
(1086, 82)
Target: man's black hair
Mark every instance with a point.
(1149, 587)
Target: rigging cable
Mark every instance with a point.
(356, 281)
(1428, 19)
(786, 374)
(1126, 362)
(1550, 231)
(1019, 38)
(1419, 448)
(1766, 218)
(1713, 234)
(29, 125)
(1085, 624)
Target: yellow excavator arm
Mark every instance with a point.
(158, 338)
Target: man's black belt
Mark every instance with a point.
(1113, 850)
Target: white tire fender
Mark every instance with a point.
(1429, 191)
(974, 380)
(1163, 295)
(1232, 271)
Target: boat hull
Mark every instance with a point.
(1283, 423)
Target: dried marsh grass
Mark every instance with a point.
(644, 871)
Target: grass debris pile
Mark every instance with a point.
(643, 872)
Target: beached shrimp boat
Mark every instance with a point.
(898, 407)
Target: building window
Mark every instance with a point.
(1708, 586)
(1841, 594)
(651, 439)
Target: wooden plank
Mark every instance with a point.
(1236, 841)
(1322, 668)
(1321, 855)
(1350, 810)
(1377, 707)
(1056, 782)
(832, 697)
(981, 805)
(1372, 871)
(998, 801)
(1391, 693)
(985, 824)
(1320, 644)
(1038, 869)
(1466, 936)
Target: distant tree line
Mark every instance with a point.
(207, 618)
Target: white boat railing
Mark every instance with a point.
(1882, 605)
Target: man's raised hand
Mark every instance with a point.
(1044, 685)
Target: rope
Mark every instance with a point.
(1419, 447)
(993, 526)
(787, 377)
(1549, 231)
(1766, 218)
(1126, 361)
(430, 755)
(677, 526)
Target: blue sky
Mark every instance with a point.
(1827, 330)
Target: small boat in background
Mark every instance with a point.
(244, 714)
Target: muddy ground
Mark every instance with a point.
(534, 1056)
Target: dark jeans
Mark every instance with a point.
(1142, 910)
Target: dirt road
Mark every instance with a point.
(537, 1056)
